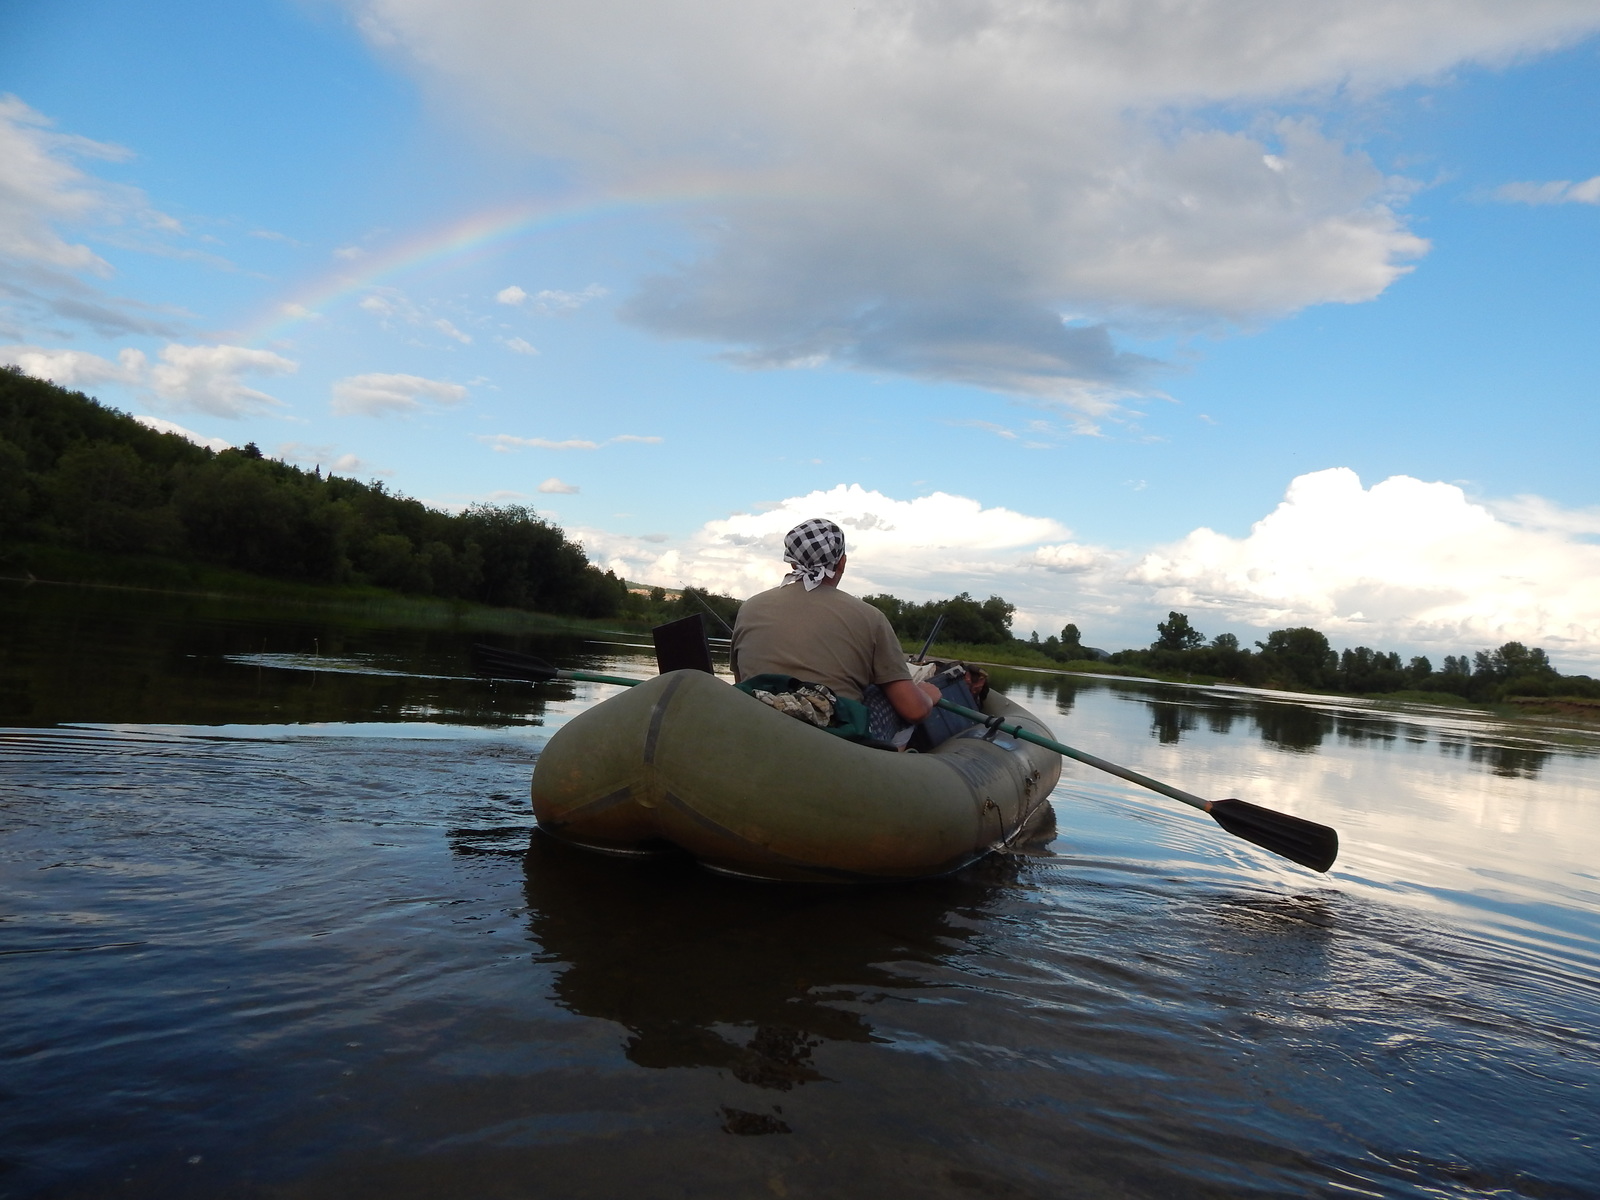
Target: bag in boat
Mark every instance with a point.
(814, 703)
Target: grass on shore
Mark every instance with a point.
(54, 566)
(1446, 699)
(1022, 654)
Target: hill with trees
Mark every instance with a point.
(78, 476)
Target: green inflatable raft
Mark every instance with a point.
(687, 763)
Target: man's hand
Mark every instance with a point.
(913, 701)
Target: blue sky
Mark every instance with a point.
(1059, 308)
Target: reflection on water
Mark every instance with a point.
(273, 926)
(1169, 722)
(1292, 724)
(707, 972)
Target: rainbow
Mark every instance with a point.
(478, 233)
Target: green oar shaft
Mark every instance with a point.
(591, 677)
(1111, 768)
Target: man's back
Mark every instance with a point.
(822, 636)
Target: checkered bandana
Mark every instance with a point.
(814, 548)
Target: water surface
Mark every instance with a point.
(273, 925)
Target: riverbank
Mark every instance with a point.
(1576, 711)
(49, 567)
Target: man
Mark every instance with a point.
(815, 632)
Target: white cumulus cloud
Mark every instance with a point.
(1405, 565)
(376, 394)
(1403, 562)
(75, 368)
(199, 439)
(205, 379)
(209, 379)
(920, 546)
(555, 487)
(930, 189)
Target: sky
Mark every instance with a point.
(1271, 314)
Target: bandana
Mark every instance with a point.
(814, 548)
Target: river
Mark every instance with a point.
(273, 924)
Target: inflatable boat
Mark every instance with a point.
(686, 763)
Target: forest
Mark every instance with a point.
(78, 475)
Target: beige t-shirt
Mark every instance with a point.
(821, 636)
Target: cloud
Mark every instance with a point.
(393, 307)
(1561, 191)
(41, 186)
(75, 368)
(932, 544)
(1404, 565)
(518, 345)
(377, 394)
(349, 253)
(208, 379)
(42, 191)
(1404, 562)
(1535, 512)
(550, 300)
(1069, 559)
(556, 487)
(199, 439)
(323, 456)
(987, 192)
(195, 378)
(504, 443)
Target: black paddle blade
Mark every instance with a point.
(1305, 842)
(494, 663)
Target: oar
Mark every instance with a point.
(1305, 842)
(494, 663)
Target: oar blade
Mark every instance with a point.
(493, 662)
(1305, 842)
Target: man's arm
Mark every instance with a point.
(913, 701)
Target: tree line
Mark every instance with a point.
(1297, 658)
(1302, 658)
(79, 475)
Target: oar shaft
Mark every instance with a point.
(1111, 768)
(591, 677)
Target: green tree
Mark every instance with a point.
(1299, 656)
(14, 499)
(1175, 633)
